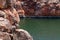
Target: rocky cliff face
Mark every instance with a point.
(9, 32)
(47, 0)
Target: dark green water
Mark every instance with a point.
(42, 29)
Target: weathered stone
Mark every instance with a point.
(4, 36)
(2, 3)
(8, 22)
(22, 35)
(12, 16)
(5, 24)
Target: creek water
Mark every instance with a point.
(42, 29)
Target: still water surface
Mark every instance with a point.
(42, 29)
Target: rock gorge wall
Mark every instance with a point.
(42, 8)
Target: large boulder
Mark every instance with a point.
(22, 35)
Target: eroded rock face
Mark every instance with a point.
(4, 36)
(19, 34)
(9, 32)
(2, 3)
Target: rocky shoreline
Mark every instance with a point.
(20, 34)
